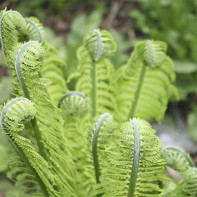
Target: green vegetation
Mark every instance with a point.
(94, 140)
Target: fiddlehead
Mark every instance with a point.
(12, 27)
(73, 103)
(177, 159)
(101, 135)
(100, 44)
(135, 160)
(135, 82)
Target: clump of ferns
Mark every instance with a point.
(57, 155)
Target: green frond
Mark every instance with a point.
(177, 159)
(14, 115)
(49, 135)
(144, 84)
(24, 177)
(135, 164)
(95, 72)
(53, 69)
(101, 135)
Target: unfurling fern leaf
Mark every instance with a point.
(13, 117)
(144, 84)
(95, 72)
(73, 103)
(74, 106)
(136, 167)
(178, 160)
(101, 136)
(48, 134)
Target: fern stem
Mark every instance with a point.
(26, 95)
(93, 92)
(93, 74)
(94, 146)
(134, 171)
(18, 149)
(183, 154)
(99, 45)
(137, 93)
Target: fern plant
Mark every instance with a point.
(92, 141)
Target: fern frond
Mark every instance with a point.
(101, 135)
(177, 159)
(95, 72)
(135, 164)
(24, 177)
(49, 134)
(137, 95)
(13, 117)
(53, 69)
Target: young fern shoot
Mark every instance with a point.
(144, 83)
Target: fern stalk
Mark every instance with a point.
(137, 93)
(136, 157)
(94, 146)
(37, 132)
(93, 74)
(93, 92)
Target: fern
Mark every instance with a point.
(13, 117)
(52, 69)
(137, 95)
(95, 72)
(135, 160)
(180, 161)
(177, 159)
(51, 127)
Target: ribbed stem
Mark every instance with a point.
(94, 145)
(137, 93)
(134, 170)
(93, 92)
(151, 53)
(37, 132)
